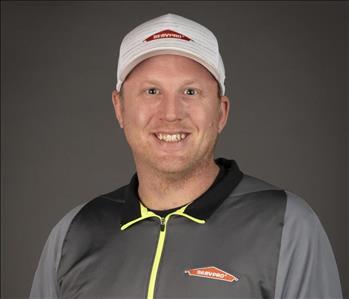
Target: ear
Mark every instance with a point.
(117, 103)
(224, 107)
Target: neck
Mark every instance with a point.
(162, 192)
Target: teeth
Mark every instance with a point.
(171, 137)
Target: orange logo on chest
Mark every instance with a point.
(212, 273)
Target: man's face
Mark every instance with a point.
(171, 113)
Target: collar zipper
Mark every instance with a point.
(162, 224)
(157, 257)
(160, 246)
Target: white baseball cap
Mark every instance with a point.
(170, 34)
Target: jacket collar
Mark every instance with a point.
(201, 208)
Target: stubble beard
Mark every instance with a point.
(178, 169)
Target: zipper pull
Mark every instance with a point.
(162, 224)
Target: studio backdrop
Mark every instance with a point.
(61, 146)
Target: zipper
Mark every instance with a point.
(158, 254)
(161, 242)
(162, 224)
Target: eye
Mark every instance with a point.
(152, 91)
(190, 92)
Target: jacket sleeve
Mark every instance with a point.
(45, 279)
(307, 267)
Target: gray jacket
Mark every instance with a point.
(243, 238)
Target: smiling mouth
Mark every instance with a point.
(176, 137)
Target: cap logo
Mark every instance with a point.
(212, 273)
(167, 34)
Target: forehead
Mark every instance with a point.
(170, 65)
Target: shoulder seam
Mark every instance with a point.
(78, 208)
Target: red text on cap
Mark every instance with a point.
(167, 34)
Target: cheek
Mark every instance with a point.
(134, 123)
(205, 118)
(136, 116)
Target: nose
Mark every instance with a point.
(172, 108)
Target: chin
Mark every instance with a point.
(171, 166)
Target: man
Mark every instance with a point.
(188, 225)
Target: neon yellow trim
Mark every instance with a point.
(126, 225)
(144, 214)
(200, 221)
(144, 210)
(181, 212)
(155, 267)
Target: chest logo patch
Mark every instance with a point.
(212, 273)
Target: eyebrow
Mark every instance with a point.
(151, 81)
(156, 82)
(189, 82)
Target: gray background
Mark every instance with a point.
(286, 70)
